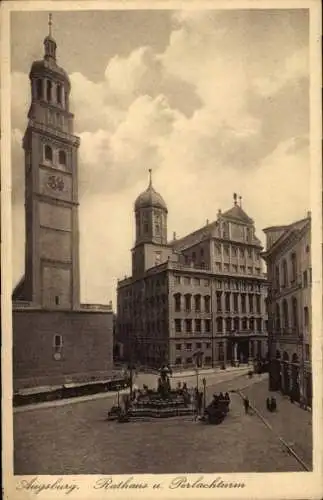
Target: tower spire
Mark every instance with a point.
(50, 23)
(235, 198)
(150, 178)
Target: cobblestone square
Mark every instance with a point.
(76, 439)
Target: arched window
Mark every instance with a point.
(188, 302)
(306, 317)
(219, 324)
(177, 301)
(48, 153)
(252, 324)
(39, 88)
(277, 317)
(285, 314)
(197, 299)
(58, 341)
(62, 157)
(207, 303)
(285, 273)
(59, 93)
(294, 313)
(294, 267)
(49, 91)
(277, 278)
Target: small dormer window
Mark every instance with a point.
(48, 153)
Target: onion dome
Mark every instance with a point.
(48, 64)
(150, 198)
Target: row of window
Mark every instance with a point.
(286, 315)
(254, 302)
(226, 268)
(188, 302)
(237, 252)
(49, 155)
(188, 346)
(286, 274)
(187, 280)
(50, 91)
(230, 324)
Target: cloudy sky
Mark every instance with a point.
(213, 101)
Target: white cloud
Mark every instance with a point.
(132, 121)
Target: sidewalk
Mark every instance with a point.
(290, 422)
(210, 371)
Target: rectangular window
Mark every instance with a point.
(207, 325)
(178, 280)
(178, 347)
(206, 282)
(178, 361)
(218, 266)
(251, 303)
(249, 270)
(197, 325)
(243, 269)
(257, 269)
(197, 281)
(198, 345)
(187, 281)
(178, 325)
(259, 324)
(249, 253)
(208, 345)
(58, 341)
(207, 360)
(227, 302)
(188, 302)
(226, 268)
(226, 250)
(305, 282)
(189, 361)
(219, 301)
(234, 268)
(219, 324)
(197, 303)
(188, 347)
(235, 302)
(207, 304)
(234, 251)
(188, 324)
(258, 304)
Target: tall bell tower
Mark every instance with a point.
(51, 188)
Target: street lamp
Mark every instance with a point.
(204, 392)
(198, 355)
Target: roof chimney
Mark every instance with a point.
(235, 196)
(240, 202)
(174, 235)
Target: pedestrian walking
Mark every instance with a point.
(246, 405)
(268, 404)
(273, 404)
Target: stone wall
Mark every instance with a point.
(86, 346)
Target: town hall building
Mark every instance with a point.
(205, 292)
(56, 339)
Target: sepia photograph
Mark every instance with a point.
(162, 251)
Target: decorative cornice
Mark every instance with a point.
(52, 133)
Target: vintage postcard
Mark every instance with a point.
(161, 249)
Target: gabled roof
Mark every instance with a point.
(238, 214)
(293, 228)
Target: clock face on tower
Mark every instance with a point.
(55, 183)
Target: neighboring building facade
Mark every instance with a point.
(55, 338)
(204, 292)
(288, 257)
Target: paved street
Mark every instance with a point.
(76, 439)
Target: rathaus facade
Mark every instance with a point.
(205, 292)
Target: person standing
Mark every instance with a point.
(246, 405)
